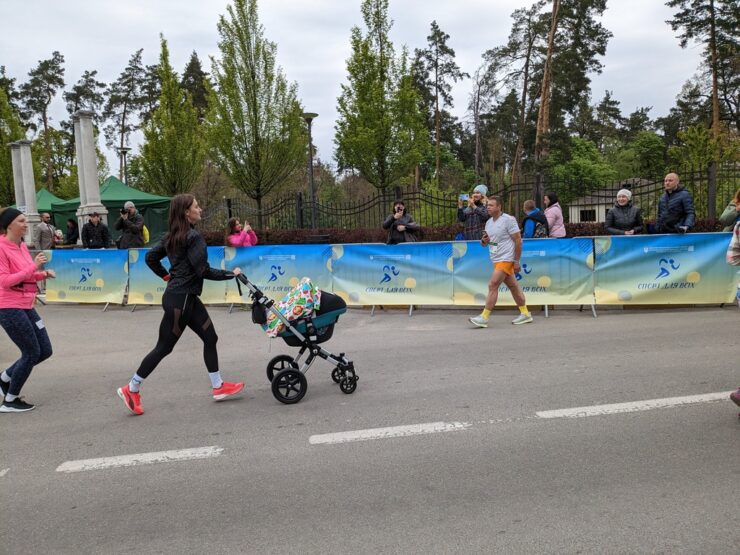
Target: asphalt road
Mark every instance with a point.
(501, 480)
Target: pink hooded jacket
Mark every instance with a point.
(243, 239)
(18, 275)
(554, 216)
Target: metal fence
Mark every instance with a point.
(580, 203)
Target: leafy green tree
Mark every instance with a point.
(441, 70)
(195, 81)
(123, 101)
(172, 154)
(256, 133)
(582, 169)
(380, 132)
(37, 93)
(11, 130)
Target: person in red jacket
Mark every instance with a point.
(19, 274)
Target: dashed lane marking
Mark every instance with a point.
(634, 406)
(140, 458)
(385, 433)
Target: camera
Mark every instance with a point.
(123, 211)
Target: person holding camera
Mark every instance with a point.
(131, 224)
(188, 255)
(474, 215)
(400, 225)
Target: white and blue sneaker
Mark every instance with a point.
(479, 321)
(522, 319)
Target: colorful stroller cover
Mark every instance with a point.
(303, 300)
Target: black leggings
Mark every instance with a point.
(181, 310)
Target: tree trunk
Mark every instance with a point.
(712, 181)
(517, 166)
(436, 121)
(543, 117)
(47, 146)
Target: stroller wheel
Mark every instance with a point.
(337, 374)
(348, 384)
(279, 363)
(289, 386)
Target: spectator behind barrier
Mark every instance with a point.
(624, 218)
(731, 215)
(236, 236)
(554, 215)
(400, 225)
(675, 208)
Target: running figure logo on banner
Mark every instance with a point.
(664, 265)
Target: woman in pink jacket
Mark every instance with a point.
(18, 276)
(554, 215)
(236, 236)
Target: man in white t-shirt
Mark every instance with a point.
(504, 242)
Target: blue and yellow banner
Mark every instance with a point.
(276, 270)
(87, 276)
(405, 274)
(663, 269)
(553, 271)
(146, 287)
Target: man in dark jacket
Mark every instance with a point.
(95, 234)
(474, 215)
(131, 223)
(675, 208)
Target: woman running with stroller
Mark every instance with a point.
(188, 256)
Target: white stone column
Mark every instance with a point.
(29, 189)
(80, 160)
(87, 169)
(20, 195)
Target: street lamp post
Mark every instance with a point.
(309, 117)
(122, 152)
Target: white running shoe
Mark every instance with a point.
(522, 319)
(479, 321)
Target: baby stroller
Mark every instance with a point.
(288, 374)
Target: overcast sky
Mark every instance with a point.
(643, 66)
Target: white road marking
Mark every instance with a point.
(4, 471)
(385, 433)
(140, 458)
(635, 406)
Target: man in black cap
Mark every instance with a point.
(95, 234)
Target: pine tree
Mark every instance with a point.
(172, 153)
(10, 130)
(195, 81)
(439, 65)
(37, 93)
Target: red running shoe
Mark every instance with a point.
(735, 396)
(227, 389)
(131, 400)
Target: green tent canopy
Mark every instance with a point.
(44, 200)
(113, 194)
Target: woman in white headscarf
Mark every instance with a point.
(624, 218)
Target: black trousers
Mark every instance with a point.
(181, 311)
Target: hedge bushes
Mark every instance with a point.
(439, 233)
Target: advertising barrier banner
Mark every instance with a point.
(405, 274)
(276, 270)
(553, 271)
(146, 287)
(663, 269)
(87, 276)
